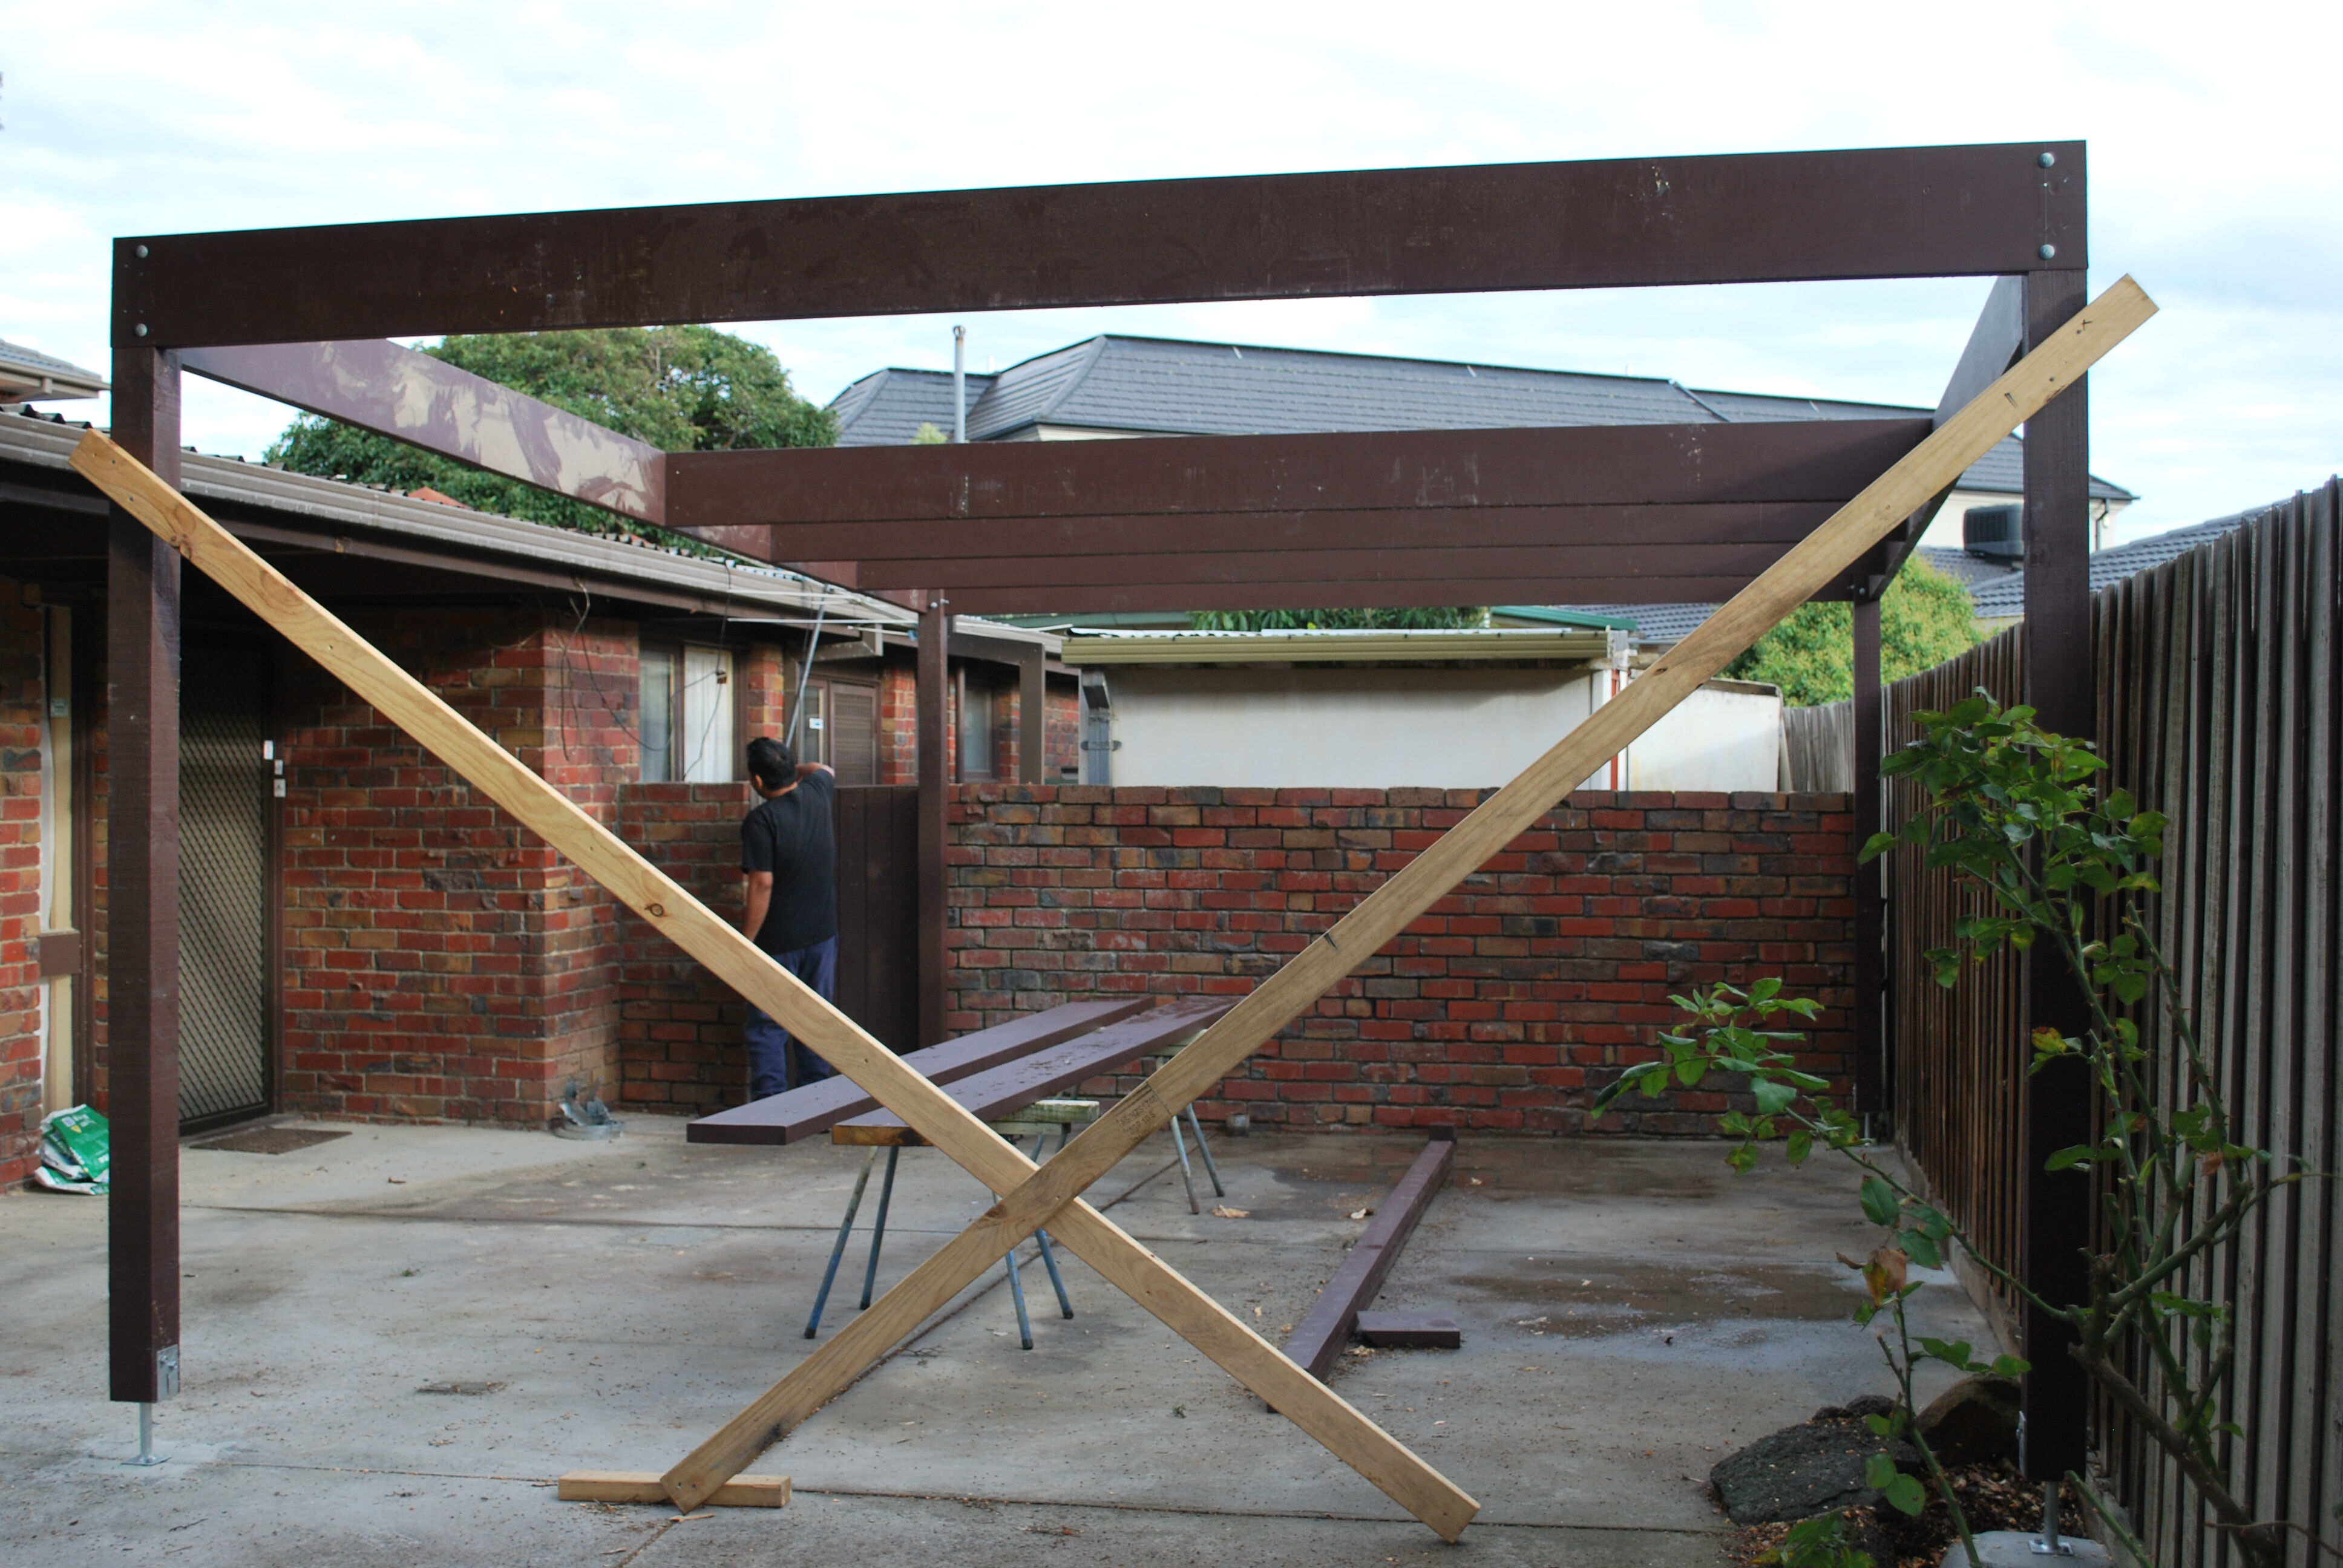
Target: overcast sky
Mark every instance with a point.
(2216, 168)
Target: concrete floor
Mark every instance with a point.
(1631, 1312)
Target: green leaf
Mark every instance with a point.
(1879, 1472)
(1953, 1353)
(1772, 1098)
(1907, 1494)
(2067, 1159)
(2010, 1366)
(1800, 1145)
(1880, 1204)
(1923, 1248)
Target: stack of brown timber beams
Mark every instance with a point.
(816, 1108)
(1012, 1087)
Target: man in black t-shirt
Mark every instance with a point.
(789, 855)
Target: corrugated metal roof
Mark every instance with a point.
(29, 366)
(1175, 387)
(1572, 644)
(887, 407)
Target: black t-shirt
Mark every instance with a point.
(790, 836)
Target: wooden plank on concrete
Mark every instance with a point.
(1011, 1088)
(1327, 1329)
(646, 1486)
(816, 1108)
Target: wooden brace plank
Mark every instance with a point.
(1327, 1328)
(1047, 1200)
(644, 1486)
(546, 811)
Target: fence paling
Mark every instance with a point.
(2220, 704)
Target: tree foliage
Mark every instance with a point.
(680, 388)
(1925, 618)
(1437, 619)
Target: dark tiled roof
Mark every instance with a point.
(1655, 624)
(1159, 385)
(1964, 567)
(887, 407)
(2006, 595)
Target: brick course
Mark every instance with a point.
(1502, 1009)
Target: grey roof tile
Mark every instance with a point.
(1964, 567)
(2006, 595)
(887, 407)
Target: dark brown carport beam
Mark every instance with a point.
(907, 502)
(1105, 598)
(1893, 212)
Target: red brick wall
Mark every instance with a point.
(21, 1042)
(1504, 1009)
(899, 725)
(1061, 734)
(441, 962)
(680, 1028)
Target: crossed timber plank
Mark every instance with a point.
(553, 816)
(1912, 483)
(1050, 1195)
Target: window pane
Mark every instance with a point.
(975, 734)
(657, 733)
(705, 753)
(811, 738)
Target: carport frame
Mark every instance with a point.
(2012, 210)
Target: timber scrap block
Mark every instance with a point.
(1410, 1331)
(646, 1486)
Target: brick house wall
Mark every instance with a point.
(1504, 1009)
(680, 1039)
(21, 1034)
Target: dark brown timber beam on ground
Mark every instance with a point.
(991, 1095)
(801, 1114)
(1320, 1340)
(1890, 212)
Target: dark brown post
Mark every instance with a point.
(142, 1054)
(1032, 717)
(1870, 896)
(2057, 1212)
(935, 809)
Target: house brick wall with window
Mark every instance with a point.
(1502, 1009)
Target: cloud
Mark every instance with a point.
(2214, 182)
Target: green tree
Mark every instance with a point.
(1437, 619)
(1925, 618)
(681, 388)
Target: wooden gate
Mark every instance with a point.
(878, 885)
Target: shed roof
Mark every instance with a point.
(27, 375)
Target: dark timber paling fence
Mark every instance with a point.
(2220, 704)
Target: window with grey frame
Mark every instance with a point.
(688, 725)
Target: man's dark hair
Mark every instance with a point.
(770, 763)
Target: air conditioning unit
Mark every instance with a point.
(1997, 532)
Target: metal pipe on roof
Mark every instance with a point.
(959, 385)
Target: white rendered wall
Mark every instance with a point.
(1250, 727)
(1716, 739)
